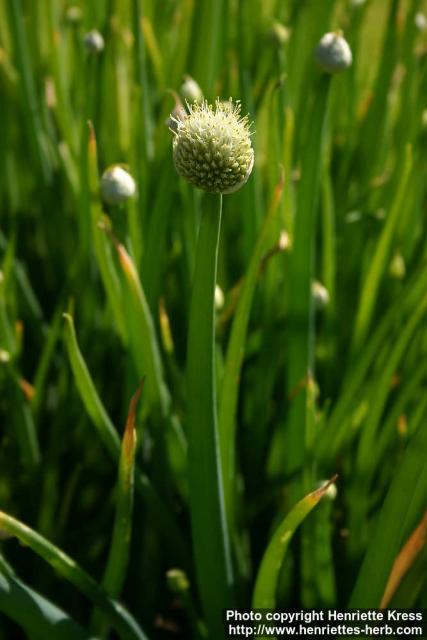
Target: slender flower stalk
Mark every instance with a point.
(213, 151)
(301, 303)
(209, 525)
(332, 55)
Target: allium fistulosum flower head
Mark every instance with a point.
(212, 147)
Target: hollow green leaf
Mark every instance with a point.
(142, 335)
(403, 507)
(32, 120)
(120, 618)
(101, 245)
(301, 339)
(109, 437)
(36, 615)
(118, 558)
(379, 260)
(264, 595)
(382, 389)
(89, 395)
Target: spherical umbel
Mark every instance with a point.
(212, 147)
(333, 53)
(117, 185)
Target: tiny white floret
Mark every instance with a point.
(178, 113)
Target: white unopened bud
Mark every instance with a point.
(190, 90)
(397, 268)
(177, 581)
(284, 241)
(279, 33)
(94, 42)
(73, 14)
(219, 297)
(177, 114)
(331, 491)
(4, 355)
(333, 53)
(320, 294)
(421, 21)
(117, 185)
(353, 216)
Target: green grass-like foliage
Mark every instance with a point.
(205, 494)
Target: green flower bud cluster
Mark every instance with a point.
(177, 581)
(212, 147)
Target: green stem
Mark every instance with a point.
(32, 118)
(381, 256)
(229, 392)
(210, 534)
(118, 557)
(301, 313)
(144, 110)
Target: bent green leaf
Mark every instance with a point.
(119, 617)
(264, 596)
